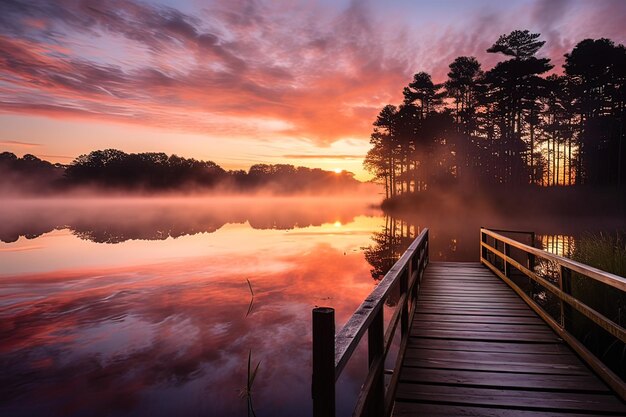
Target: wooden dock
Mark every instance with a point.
(476, 349)
(473, 339)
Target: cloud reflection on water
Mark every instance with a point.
(172, 338)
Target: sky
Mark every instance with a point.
(242, 82)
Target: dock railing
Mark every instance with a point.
(331, 352)
(570, 309)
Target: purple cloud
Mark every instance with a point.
(323, 72)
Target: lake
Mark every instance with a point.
(137, 307)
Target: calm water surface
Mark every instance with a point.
(143, 307)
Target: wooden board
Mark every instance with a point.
(483, 327)
(476, 349)
(572, 383)
(511, 398)
(412, 409)
(468, 318)
(479, 346)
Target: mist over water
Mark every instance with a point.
(141, 307)
(113, 220)
(455, 218)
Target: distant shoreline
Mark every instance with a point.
(112, 172)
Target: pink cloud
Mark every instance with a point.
(241, 77)
(322, 73)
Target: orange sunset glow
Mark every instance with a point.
(243, 82)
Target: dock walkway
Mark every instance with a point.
(476, 349)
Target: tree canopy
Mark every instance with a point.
(115, 170)
(518, 123)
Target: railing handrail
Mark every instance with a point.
(332, 352)
(563, 291)
(520, 232)
(351, 333)
(597, 274)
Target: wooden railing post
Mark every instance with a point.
(376, 348)
(415, 288)
(531, 267)
(421, 255)
(507, 267)
(415, 267)
(566, 309)
(494, 257)
(426, 248)
(404, 287)
(483, 238)
(323, 380)
(531, 257)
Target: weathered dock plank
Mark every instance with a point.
(476, 349)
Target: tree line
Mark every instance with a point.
(114, 170)
(516, 124)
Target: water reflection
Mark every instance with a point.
(454, 227)
(562, 245)
(161, 336)
(389, 245)
(161, 323)
(119, 220)
(169, 339)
